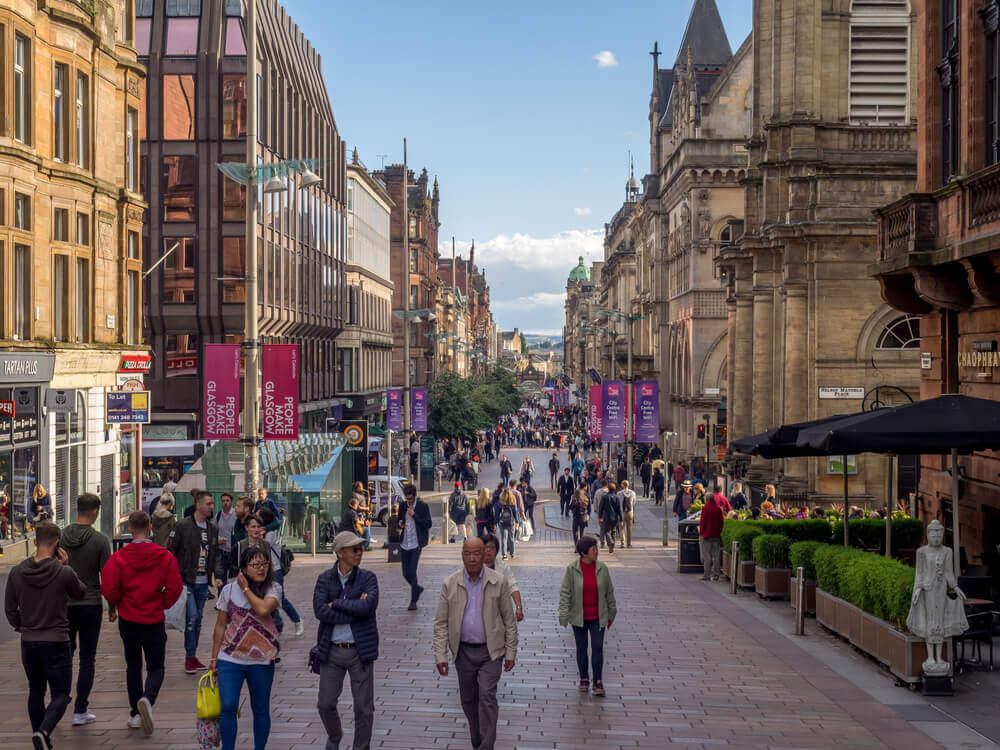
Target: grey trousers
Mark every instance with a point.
(331, 683)
(478, 676)
(711, 554)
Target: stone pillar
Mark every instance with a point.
(763, 345)
(730, 359)
(740, 398)
(796, 369)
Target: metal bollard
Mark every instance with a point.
(313, 534)
(666, 529)
(734, 567)
(444, 521)
(800, 609)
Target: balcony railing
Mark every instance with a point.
(907, 226)
(983, 190)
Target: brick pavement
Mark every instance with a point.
(684, 668)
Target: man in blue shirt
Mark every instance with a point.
(344, 602)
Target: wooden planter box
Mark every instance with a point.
(810, 590)
(772, 583)
(902, 653)
(727, 564)
(745, 576)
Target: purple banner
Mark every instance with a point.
(280, 376)
(394, 409)
(418, 410)
(613, 403)
(222, 392)
(647, 411)
(595, 412)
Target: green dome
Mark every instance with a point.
(580, 273)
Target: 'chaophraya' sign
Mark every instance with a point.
(281, 391)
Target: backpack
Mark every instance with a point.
(286, 560)
(506, 511)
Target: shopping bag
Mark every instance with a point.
(208, 704)
(176, 616)
(209, 735)
(525, 531)
(452, 529)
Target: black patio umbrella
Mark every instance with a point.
(780, 442)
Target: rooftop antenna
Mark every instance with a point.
(383, 157)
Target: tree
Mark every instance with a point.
(459, 407)
(524, 344)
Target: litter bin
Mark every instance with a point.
(689, 554)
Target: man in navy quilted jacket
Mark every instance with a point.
(344, 602)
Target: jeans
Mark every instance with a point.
(47, 663)
(258, 678)
(341, 662)
(529, 511)
(579, 529)
(408, 559)
(645, 488)
(506, 539)
(149, 641)
(286, 605)
(85, 627)
(711, 553)
(552, 480)
(197, 593)
(596, 632)
(609, 531)
(226, 557)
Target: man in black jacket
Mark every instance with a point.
(565, 487)
(553, 470)
(414, 522)
(195, 543)
(505, 469)
(344, 602)
(528, 497)
(610, 514)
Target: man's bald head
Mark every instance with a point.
(472, 556)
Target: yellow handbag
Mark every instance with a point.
(208, 705)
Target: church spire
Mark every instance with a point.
(705, 40)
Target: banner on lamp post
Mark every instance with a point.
(394, 409)
(647, 411)
(280, 387)
(595, 412)
(613, 417)
(221, 392)
(418, 410)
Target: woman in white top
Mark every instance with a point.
(245, 644)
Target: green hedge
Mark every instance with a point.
(798, 530)
(870, 581)
(801, 554)
(869, 534)
(771, 550)
(742, 532)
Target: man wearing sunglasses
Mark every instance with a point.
(344, 602)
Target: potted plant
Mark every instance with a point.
(771, 574)
(800, 555)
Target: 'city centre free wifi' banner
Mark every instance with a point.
(222, 392)
(281, 391)
(613, 401)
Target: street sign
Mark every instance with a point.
(841, 392)
(126, 408)
(60, 400)
(925, 360)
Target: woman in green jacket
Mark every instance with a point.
(587, 602)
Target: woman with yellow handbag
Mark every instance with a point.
(245, 645)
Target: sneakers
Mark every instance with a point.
(599, 689)
(85, 718)
(299, 628)
(40, 742)
(145, 709)
(135, 722)
(192, 665)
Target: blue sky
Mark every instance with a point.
(527, 131)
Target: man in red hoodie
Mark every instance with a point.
(710, 531)
(142, 580)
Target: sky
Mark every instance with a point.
(525, 112)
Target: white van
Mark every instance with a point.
(378, 488)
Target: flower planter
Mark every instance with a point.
(727, 564)
(810, 595)
(772, 583)
(745, 575)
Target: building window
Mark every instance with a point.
(948, 78)
(124, 21)
(132, 308)
(178, 108)
(22, 89)
(178, 188)
(82, 115)
(132, 245)
(990, 13)
(143, 32)
(234, 264)
(82, 300)
(352, 306)
(69, 478)
(235, 44)
(879, 62)
(183, 7)
(22, 211)
(82, 228)
(60, 75)
(131, 149)
(60, 297)
(60, 225)
(178, 270)
(182, 355)
(902, 333)
(345, 371)
(234, 196)
(413, 227)
(182, 37)
(234, 106)
(22, 292)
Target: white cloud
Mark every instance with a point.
(606, 59)
(582, 211)
(558, 252)
(538, 299)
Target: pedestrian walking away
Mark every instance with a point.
(609, 513)
(476, 623)
(627, 495)
(164, 519)
(344, 601)
(646, 475)
(88, 551)
(710, 533)
(414, 522)
(36, 605)
(587, 602)
(506, 520)
(458, 510)
(553, 471)
(484, 513)
(581, 514)
(529, 497)
(142, 580)
(245, 644)
(195, 543)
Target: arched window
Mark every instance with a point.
(902, 333)
(879, 62)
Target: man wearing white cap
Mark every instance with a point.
(344, 602)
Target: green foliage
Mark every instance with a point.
(798, 530)
(829, 560)
(695, 507)
(874, 583)
(460, 406)
(771, 550)
(742, 532)
(800, 554)
(869, 534)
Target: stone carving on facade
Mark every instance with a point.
(704, 225)
(133, 215)
(937, 608)
(106, 240)
(133, 86)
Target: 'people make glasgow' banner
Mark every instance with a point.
(280, 385)
(418, 410)
(394, 409)
(647, 411)
(222, 392)
(595, 412)
(613, 401)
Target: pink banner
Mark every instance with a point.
(281, 391)
(595, 412)
(222, 392)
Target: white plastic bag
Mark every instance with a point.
(176, 616)
(526, 531)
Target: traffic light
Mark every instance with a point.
(701, 432)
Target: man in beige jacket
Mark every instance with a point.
(476, 622)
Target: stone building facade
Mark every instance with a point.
(582, 286)
(71, 213)
(939, 249)
(832, 137)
